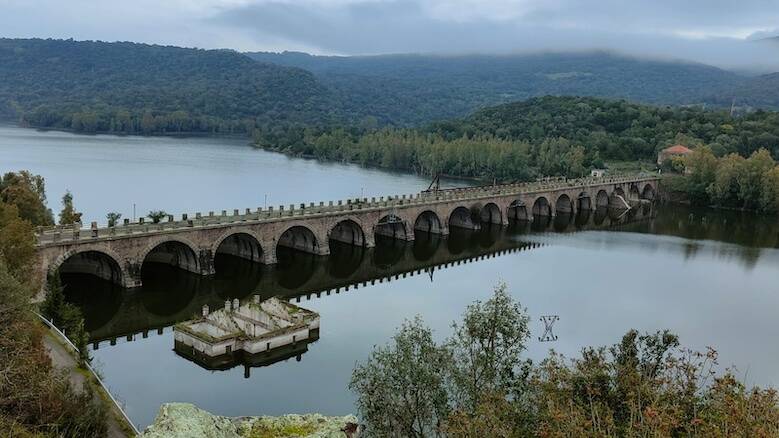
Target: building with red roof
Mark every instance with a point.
(673, 151)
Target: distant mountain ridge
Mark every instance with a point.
(414, 89)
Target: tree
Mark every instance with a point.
(16, 243)
(701, 165)
(400, 388)
(156, 215)
(69, 215)
(27, 192)
(724, 190)
(494, 417)
(65, 316)
(751, 177)
(113, 217)
(487, 348)
(770, 197)
(33, 396)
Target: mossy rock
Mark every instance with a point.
(185, 420)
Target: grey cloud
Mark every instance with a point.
(649, 28)
(656, 28)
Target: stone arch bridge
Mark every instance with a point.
(191, 243)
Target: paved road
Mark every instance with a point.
(62, 358)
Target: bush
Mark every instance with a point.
(647, 385)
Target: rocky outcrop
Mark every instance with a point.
(185, 420)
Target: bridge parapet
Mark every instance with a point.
(70, 233)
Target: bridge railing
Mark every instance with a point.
(74, 233)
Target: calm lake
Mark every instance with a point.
(711, 277)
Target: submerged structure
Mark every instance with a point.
(258, 333)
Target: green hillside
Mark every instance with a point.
(137, 88)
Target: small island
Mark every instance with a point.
(257, 333)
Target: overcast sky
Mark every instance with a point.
(721, 32)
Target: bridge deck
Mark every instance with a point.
(59, 234)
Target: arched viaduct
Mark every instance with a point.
(191, 243)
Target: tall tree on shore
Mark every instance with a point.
(400, 388)
(487, 349)
(68, 215)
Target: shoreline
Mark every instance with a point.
(188, 134)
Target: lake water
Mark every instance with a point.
(711, 277)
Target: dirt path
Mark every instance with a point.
(62, 358)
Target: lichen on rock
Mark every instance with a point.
(309, 426)
(185, 420)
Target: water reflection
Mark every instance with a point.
(629, 273)
(172, 295)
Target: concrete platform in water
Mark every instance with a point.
(254, 334)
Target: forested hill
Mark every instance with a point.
(415, 89)
(758, 92)
(137, 88)
(617, 129)
(540, 137)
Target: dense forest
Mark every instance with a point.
(538, 137)
(409, 90)
(137, 88)
(92, 86)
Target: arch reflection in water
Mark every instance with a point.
(344, 259)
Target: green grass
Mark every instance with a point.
(261, 429)
(630, 166)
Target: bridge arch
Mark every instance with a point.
(517, 211)
(463, 217)
(614, 199)
(391, 226)
(541, 207)
(602, 199)
(299, 237)
(583, 202)
(490, 214)
(100, 262)
(178, 252)
(347, 231)
(244, 244)
(648, 192)
(428, 222)
(635, 194)
(563, 204)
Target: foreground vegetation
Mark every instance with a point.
(477, 383)
(35, 398)
(539, 137)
